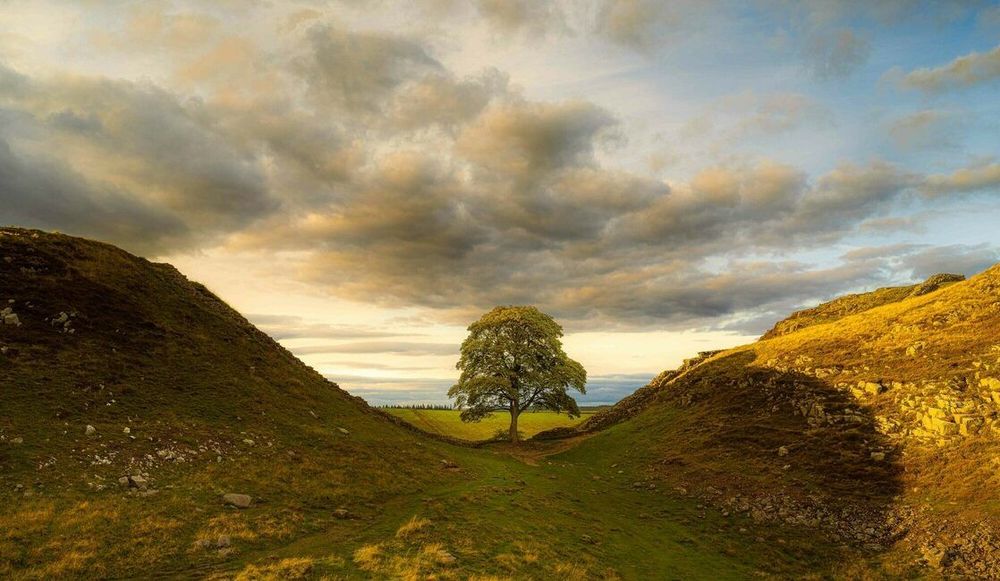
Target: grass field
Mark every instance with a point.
(448, 423)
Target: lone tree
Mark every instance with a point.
(513, 360)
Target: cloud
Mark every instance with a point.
(984, 177)
(416, 348)
(964, 72)
(955, 258)
(39, 191)
(646, 25)
(358, 71)
(836, 53)
(160, 156)
(927, 129)
(532, 17)
(283, 327)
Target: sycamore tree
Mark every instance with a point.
(512, 361)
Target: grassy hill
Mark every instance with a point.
(879, 426)
(132, 400)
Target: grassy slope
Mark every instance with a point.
(188, 377)
(193, 381)
(448, 423)
(858, 303)
(718, 430)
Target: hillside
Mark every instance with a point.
(853, 304)
(880, 427)
(133, 401)
(114, 368)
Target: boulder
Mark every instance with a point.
(870, 387)
(237, 500)
(940, 426)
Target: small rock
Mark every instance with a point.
(123, 482)
(343, 431)
(139, 482)
(17, 441)
(782, 451)
(223, 541)
(448, 464)
(91, 430)
(237, 500)
(127, 430)
(343, 514)
(878, 456)
(588, 539)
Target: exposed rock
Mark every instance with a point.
(343, 431)
(138, 481)
(878, 456)
(237, 500)
(90, 430)
(782, 451)
(17, 441)
(448, 464)
(343, 514)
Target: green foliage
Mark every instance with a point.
(512, 361)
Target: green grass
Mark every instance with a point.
(448, 422)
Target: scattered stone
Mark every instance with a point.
(138, 482)
(17, 441)
(588, 539)
(90, 430)
(127, 430)
(343, 431)
(248, 442)
(124, 482)
(782, 451)
(237, 500)
(878, 456)
(448, 464)
(344, 514)
(223, 541)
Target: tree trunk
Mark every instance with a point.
(514, 412)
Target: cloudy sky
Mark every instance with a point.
(363, 178)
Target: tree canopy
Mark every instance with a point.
(513, 360)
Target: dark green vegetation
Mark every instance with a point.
(513, 361)
(807, 455)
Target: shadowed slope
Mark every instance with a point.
(115, 367)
